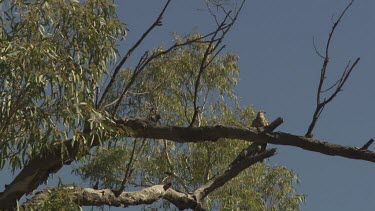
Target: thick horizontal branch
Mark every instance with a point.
(36, 171)
(94, 197)
(147, 129)
(91, 197)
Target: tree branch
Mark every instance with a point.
(214, 43)
(144, 61)
(141, 128)
(92, 197)
(219, 181)
(367, 145)
(157, 22)
(38, 170)
(320, 105)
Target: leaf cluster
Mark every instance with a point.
(166, 87)
(53, 55)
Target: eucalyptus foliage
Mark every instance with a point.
(166, 87)
(53, 54)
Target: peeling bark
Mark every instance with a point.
(91, 197)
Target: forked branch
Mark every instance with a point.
(157, 22)
(149, 195)
(337, 86)
(213, 50)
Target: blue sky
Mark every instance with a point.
(279, 74)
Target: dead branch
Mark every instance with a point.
(337, 86)
(141, 128)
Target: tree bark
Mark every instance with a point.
(37, 170)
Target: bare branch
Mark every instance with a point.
(273, 125)
(211, 48)
(145, 60)
(367, 145)
(316, 49)
(212, 13)
(320, 105)
(128, 171)
(141, 128)
(157, 22)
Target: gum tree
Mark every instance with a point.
(170, 127)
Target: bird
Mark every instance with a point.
(260, 121)
(254, 149)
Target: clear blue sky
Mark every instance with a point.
(279, 74)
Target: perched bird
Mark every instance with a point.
(253, 149)
(260, 121)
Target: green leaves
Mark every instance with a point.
(166, 87)
(53, 55)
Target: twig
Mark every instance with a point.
(128, 172)
(337, 86)
(224, 28)
(157, 22)
(144, 61)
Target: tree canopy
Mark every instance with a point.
(169, 127)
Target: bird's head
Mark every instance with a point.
(261, 113)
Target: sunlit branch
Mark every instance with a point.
(337, 86)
